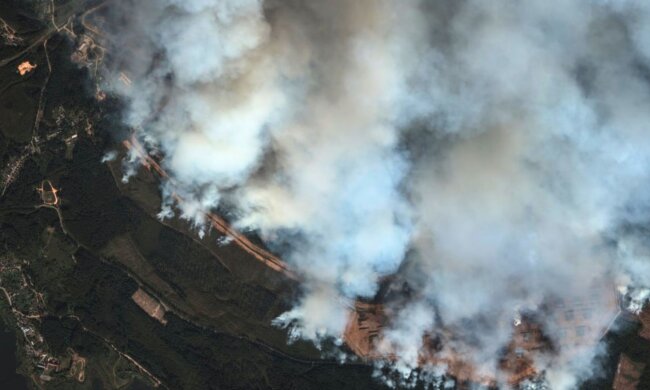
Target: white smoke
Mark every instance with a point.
(499, 148)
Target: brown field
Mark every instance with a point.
(150, 305)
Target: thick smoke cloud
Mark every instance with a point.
(498, 151)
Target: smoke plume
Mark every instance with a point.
(492, 154)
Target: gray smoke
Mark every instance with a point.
(497, 150)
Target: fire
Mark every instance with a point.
(26, 67)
